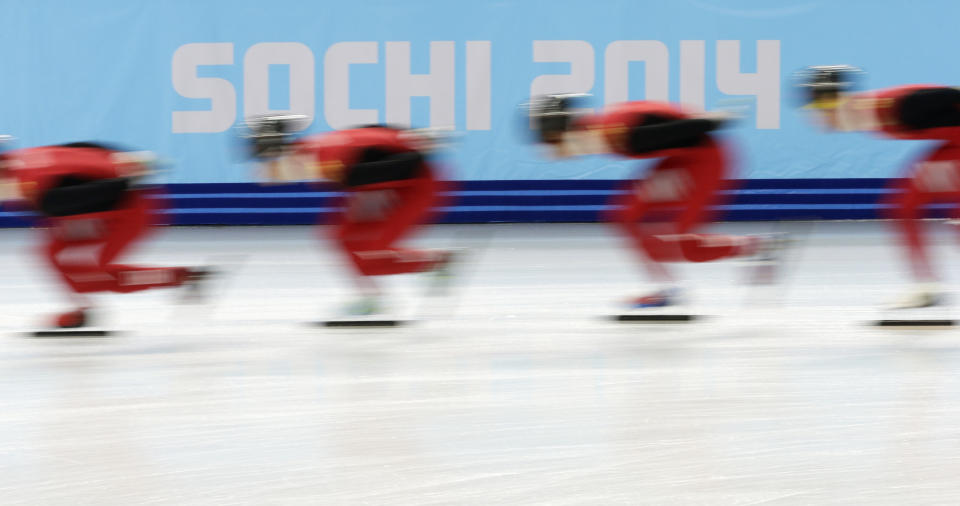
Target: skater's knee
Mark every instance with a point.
(693, 251)
(903, 207)
(624, 216)
(51, 251)
(656, 247)
(357, 247)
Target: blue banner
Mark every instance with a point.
(176, 76)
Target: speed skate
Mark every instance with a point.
(363, 322)
(655, 318)
(918, 323)
(926, 306)
(79, 332)
(930, 318)
(673, 313)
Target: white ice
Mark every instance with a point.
(518, 391)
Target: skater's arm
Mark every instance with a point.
(10, 188)
(930, 108)
(659, 133)
(292, 167)
(72, 196)
(377, 166)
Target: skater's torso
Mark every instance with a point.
(335, 154)
(37, 170)
(922, 111)
(616, 121)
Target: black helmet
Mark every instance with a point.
(269, 135)
(551, 115)
(823, 82)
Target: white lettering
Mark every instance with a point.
(256, 79)
(478, 85)
(692, 73)
(336, 84)
(764, 83)
(439, 84)
(220, 92)
(579, 53)
(617, 61)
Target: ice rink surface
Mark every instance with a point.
(517, 391)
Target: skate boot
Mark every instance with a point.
(662, 306)
(927, 302)
(662, 298)
(366, 311)
(365, 306)
(921, 296)
(72, 319)
(75, 323)
(442, 274)
(196, 284)
(766, 262)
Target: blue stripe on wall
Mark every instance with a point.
(514, 201)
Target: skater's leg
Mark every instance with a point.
(681, 190)
(82, 250)
(936, 178)
(127, 227)
(702, 179)
(371, 245)
(629, 209)
(690, 246)
(72, 269)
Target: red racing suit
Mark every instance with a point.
(919, 112)
(660, 212)
(390, 190)
(92, 217)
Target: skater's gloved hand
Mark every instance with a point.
(10, 190)
(430, 139)
(722, 118)
(286, 169)
(134, 164)
(729, 111)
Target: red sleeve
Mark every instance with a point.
(334, 152)
(38, 169)
(886, 106)
(616, 121)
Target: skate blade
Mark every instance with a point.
(915, 324)
(368, 323)
(931, 316)
(71, 333)
(655, 318)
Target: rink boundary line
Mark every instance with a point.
(515, 201)
(531, 193)
(247, 210)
